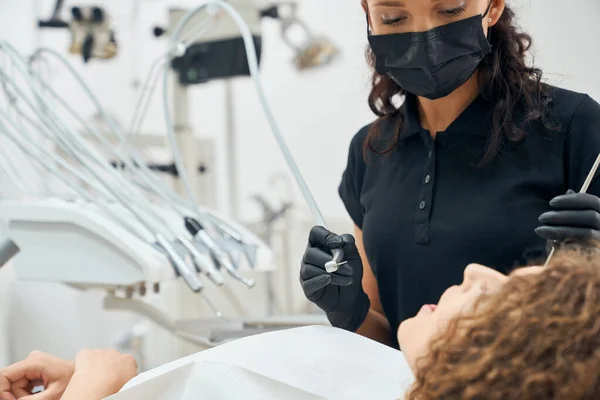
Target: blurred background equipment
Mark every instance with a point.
(310, 51)
(92, 35)
(219, 52)
(55, 20)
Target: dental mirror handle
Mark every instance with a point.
(8, 249)
(584, 189)
(333, 265)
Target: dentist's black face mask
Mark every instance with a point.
(434, 63)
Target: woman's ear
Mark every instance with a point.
(366, 10)
(496, 11)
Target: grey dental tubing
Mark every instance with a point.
(584, 189)
(8, 249)
(221, 257)
(53, 123)
(177, 262)
(184, 272)
(338, 254)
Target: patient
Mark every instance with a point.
(532, 335)
(537, 336)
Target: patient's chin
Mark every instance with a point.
(403, 331)
(414, 335)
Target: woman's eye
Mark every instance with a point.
(453, 12)
(392, 21)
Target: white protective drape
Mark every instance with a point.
(305, 363)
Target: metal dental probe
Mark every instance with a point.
(584, 189)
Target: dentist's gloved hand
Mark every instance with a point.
(574, 216)
(340, 294)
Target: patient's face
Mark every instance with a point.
(416, 333)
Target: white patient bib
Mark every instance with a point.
(298, 364)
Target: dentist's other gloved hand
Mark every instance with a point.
(573, 216)
(340, 294)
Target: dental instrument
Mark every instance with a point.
(584, 189)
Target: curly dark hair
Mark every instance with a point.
(538, 338)
(504, 77)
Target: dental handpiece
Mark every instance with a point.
(338, 254)
(196, 229)
(333, 265)
(584, 189)
(204, 267)
(179, 264)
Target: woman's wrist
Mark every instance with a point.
(92, 386)
(99, 374)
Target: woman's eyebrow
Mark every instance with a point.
(391, 3)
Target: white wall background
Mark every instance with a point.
(319, 111)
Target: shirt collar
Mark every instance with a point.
(475, 120)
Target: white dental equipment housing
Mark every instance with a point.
(75, 243)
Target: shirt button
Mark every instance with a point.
(422, 205)
(428, 179)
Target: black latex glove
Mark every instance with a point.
(574, 216)
(340, 294)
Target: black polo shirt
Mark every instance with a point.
(426, 211)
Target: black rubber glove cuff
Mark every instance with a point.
(351, 322)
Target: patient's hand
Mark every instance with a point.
(99, 374)
(38, 369)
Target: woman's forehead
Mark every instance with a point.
(526, 271)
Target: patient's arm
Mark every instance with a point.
(99, 374)
(38, 369)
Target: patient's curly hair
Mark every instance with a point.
(538, 338)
